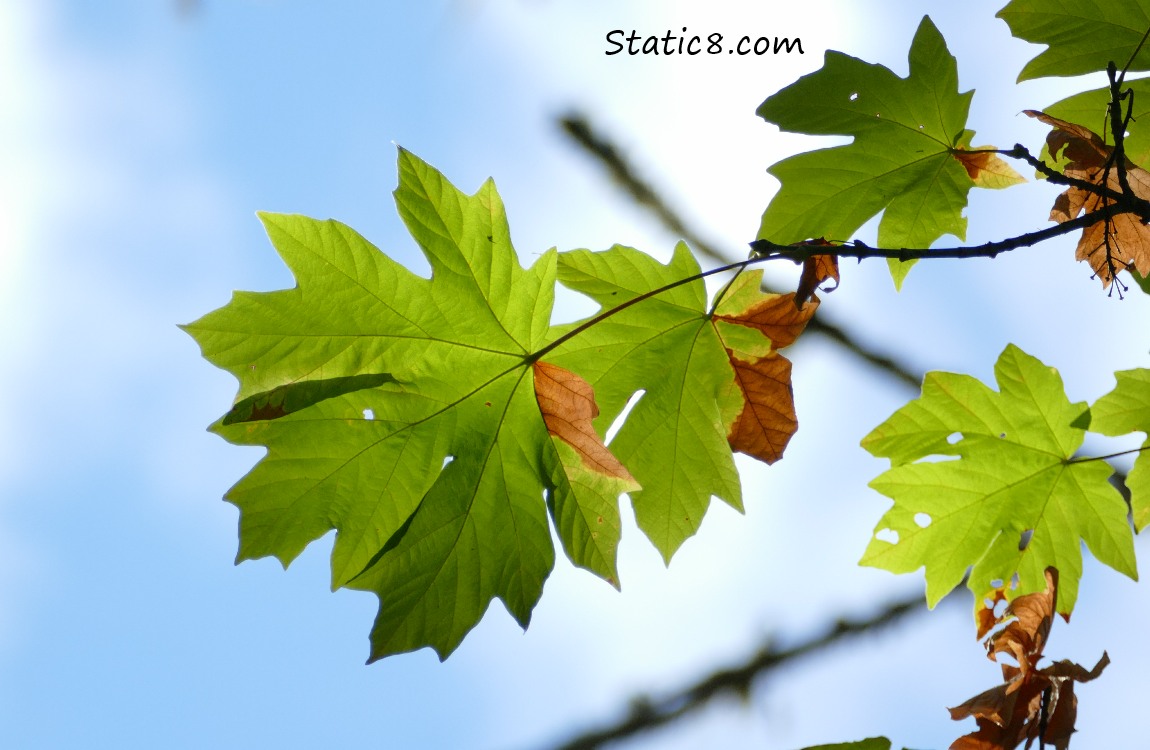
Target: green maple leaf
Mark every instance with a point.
(406, 413)
(1012, 502)
(435, 423)
(680, 354)
(874, 743)
(1084, 36)
(1124, 410)
(1143, 282)
(907, 132)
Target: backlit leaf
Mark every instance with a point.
(709, 383)
(1083, 35)
(1124, 410)
(903, 160)
(435, 423)
(433, 474)
(1006, 499)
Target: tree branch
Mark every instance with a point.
(856, 249)
(648, 713)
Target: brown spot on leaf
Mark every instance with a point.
(985, 169)
(777, 317)
(567, 403)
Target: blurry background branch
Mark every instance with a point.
(736, 681)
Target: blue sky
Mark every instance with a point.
(136, 145)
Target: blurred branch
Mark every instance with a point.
(580, 129)
(648, 713)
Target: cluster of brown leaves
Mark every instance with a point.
(1031, 704)
(1114, 244)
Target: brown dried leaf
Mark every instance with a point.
(1060, 724)
(767, 421)
(1120, 242)
(567, 403)
(1025, 637)
(1017, 710)
(816, 270)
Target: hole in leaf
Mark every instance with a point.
(368, 414)
(1024, 539)
(920, 127)
(922, 519)
(887, 535)
(1002, 435)
(954, 437)
(446, 461)
(854, 96)
(996, 583)
(996, 606)
(1014, 580)
(619, 420)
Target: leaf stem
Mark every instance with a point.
(537, 355)
(1108, 456)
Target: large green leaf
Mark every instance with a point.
(402, 412)
(874, 743)
(1124, 410)
(1083, 35)
(901, 162)
(1011, 501)
(434, 423)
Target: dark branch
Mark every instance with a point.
(649, 713)
(856, 249)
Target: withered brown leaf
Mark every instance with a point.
(816, 270)
(767, 420)
(1031, 703)
(1114, 244)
